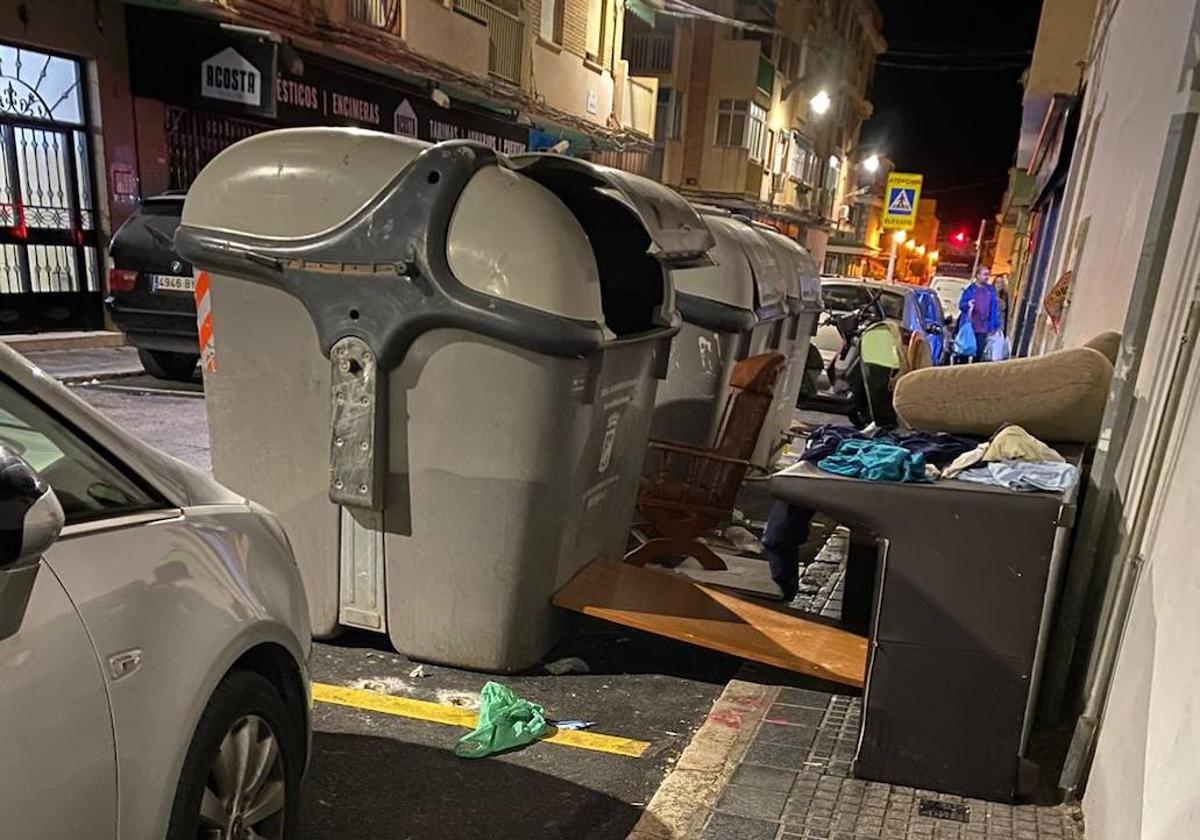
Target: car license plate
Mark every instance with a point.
(172, 283)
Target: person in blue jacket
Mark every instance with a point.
(980, 305)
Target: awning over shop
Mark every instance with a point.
(852, 250)
(640, 10)
(1052, 155)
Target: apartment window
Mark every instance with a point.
(757, 139)
(804, 163)
(597, 11)
(550, 25)
(831, 175)
(779, 160)
(731, 122)
(793, 56)
(668, 117)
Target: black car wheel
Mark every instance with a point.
(166, 365)
(241, 776)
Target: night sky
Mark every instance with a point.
(956, 126)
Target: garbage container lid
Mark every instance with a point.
(803, 280)
(719, 296)
(679, 236)
(769, 283)
(296, 182)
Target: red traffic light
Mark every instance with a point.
(960, 237)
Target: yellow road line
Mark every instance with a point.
(373, 701)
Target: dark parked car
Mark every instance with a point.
(151, 289)
(912, 307)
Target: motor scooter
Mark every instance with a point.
(848, 388)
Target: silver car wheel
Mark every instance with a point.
(245, 794)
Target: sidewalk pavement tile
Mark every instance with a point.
(796, 715)
(729, 827)
(797, 737)
(775, 755)
(744, 801)
(764, 778)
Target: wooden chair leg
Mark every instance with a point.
(678, 547)
(707, 558)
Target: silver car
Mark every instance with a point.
(153, 637)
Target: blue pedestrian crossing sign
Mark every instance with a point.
(901, 199)
(902, 202)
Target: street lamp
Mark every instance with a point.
(920, 250)
(910, 244)
(871, 164)
(820, 102)
(899, 236)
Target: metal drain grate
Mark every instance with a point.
(945, 810)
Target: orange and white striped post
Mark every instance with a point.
(208, 349)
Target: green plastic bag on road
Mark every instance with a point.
(505, 721)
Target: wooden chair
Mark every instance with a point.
(690, 490)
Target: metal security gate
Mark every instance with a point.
(196, 137)
(49, 258)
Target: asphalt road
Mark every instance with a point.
(374, 775)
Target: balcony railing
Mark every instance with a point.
(506, 32)
(649, 52)
(378, 14)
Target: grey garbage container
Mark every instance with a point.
(720, 306)
(804, 307)
(437, 366)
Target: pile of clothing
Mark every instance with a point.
(1011, 458)
(1015, 459)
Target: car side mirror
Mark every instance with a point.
(31, 519)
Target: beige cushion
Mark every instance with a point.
(1108, 343)
(1057, 397)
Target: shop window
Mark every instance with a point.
(731, 122)
(41, 87)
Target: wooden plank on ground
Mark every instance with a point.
(678, 608)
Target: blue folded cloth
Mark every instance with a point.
(1051, 476)
(875, 461)
(938, 448)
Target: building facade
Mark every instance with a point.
(760, 106)
(103, 103)
(1032, 204)
(857, 245)
(1124, 239)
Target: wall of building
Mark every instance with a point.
(96, 34)
(562, 74)
(1132, 91)
(1064, 31)
(1146, 769)
(429, 27)
(1146, 772)
(572, 85)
